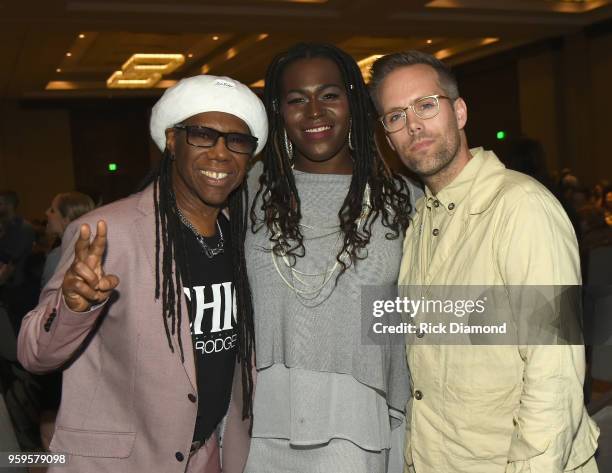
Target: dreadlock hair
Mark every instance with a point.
(170, 253)
(280, 202)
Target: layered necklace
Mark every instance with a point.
(209, 251)
(309, 286)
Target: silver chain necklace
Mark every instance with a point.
(208, 251)
(304, 290)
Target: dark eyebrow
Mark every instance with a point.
(320, 88)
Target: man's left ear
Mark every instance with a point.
(460, 112)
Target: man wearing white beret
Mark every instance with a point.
(151, 318)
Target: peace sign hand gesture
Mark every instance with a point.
(85, 283)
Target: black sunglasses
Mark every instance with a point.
(205, 137)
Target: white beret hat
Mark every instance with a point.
(205, 93)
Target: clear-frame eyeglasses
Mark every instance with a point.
(425, 108)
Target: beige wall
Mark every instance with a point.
(35, 155)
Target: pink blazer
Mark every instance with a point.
(127, 400)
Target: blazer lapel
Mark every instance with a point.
(145, 227)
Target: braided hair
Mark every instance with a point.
(170, 253)
(280, 202)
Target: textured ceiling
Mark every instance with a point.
(240, 37)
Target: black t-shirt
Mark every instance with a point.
(213, 331)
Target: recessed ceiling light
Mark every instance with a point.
(58, 70)
(444, 53)
(485, 41)
(190, 55)
(215, 38)
(81, 36)
(61, 85)
(68, 54)
(429, 41)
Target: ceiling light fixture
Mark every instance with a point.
(162, 63)
(118, 81)
(486, 41)
(164, 84)
(215, 38)
(429, 41)
(262, 36)
(61, 85)
(81, 36)
(58, 70)
(444, 53)
(144, 70)
(68, 54)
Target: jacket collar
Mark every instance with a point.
(145, 202)
(146, 229)
(146, 205)
(487, 183)
(477, 184)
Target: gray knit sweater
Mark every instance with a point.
(320, 330)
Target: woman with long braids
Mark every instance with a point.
(152, 318)
(328, 217)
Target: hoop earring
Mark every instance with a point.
(288, 146)
(350, 136)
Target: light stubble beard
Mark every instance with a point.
(436, 161)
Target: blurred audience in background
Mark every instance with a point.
(606, 203)
(15, 248)
(29, 253)
(64, 208)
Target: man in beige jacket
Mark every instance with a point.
(480, 409)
